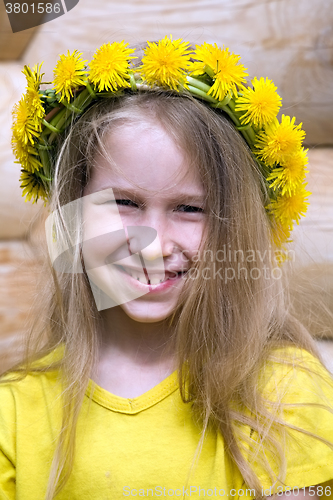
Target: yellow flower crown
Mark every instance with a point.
(208, 72)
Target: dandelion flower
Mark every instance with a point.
(165, 63)
(29, 112)
(261, 104)
(36, 108)
(281, 234)
(25, 154)
(69, 74)
(26, 122)
(228, 73)
(32, 186)
(109, 66)
(288, 208)
(33, 76)
(279, 140)
(290, 175)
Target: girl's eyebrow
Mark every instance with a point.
(176, 196)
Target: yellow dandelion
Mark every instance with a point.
(290, 175)
(69, 74)
(109, 66)
(25, 154)
(32, 186)
(281, 234)
(227, 72)
(288, 208)
(33, 76)
(279, 141)
(35, 104)
(26, 122)
(261, 104)
(36, 108)
(165, 63)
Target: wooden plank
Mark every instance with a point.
(12, 45)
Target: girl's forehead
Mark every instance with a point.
(145, 155)
(145, 131)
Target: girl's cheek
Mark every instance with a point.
(190, 246)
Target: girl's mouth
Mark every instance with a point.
(153, 280)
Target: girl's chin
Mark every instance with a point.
(146, 314)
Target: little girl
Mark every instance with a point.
(167, 361)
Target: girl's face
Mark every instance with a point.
(167, 197)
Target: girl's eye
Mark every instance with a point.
(181, 208)
(126, 203)
(190, 209)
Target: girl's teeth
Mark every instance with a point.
(154, 279)
(140, 277)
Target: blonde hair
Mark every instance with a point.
(224, 331)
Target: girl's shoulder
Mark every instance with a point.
(30, 409)
(297, 390)
(294, 374)
(41, 380)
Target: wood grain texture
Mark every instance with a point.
(15, 214)
(314, 236)
(12, 45)
(19, 276)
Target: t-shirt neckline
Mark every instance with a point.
(133, 405)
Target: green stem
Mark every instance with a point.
(210, 72)
(90, 90)
(252, 135)
(231, 114)
(56, 118)
(51, 127)
(83, 100)
(198, 84)
(43, 147)
(225, 101)
(71, 107)
(46, 179)
(230, 110)
(45, 161)
(132, 81)
(200, 93)
(54, 122)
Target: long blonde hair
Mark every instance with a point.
(224, 329)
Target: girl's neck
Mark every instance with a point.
(134, 357)
(140, 343)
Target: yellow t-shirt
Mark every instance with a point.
(145, 446)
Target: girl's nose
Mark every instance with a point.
(159, 247)
(153, 243)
